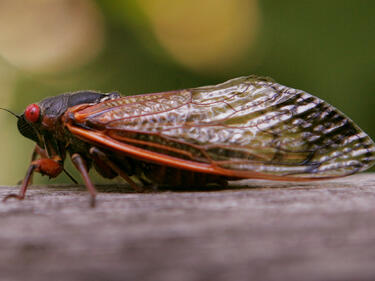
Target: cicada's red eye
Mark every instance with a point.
(32, 113)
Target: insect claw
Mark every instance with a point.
(13, 195)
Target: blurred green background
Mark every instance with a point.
(49, 47)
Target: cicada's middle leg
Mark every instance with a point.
(107, 167)
(81, 166)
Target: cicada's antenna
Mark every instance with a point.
(11, 112)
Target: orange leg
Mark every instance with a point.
(36, 152)
(49, 167)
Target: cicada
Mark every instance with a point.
(245, 128)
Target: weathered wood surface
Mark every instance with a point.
(262, 231)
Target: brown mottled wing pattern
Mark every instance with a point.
(245, 124)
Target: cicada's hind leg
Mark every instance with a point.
(45, 166)
(81, 166)
(101, 157)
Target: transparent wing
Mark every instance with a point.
(245, 124)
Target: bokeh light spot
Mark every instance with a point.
(50, 35)
(208, 35)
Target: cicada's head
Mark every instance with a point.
(42, 118)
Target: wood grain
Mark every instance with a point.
(258, 231)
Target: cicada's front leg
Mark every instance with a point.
(51, 167)
(37, 152)
(42, 153)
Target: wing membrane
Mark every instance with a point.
(248, 124)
